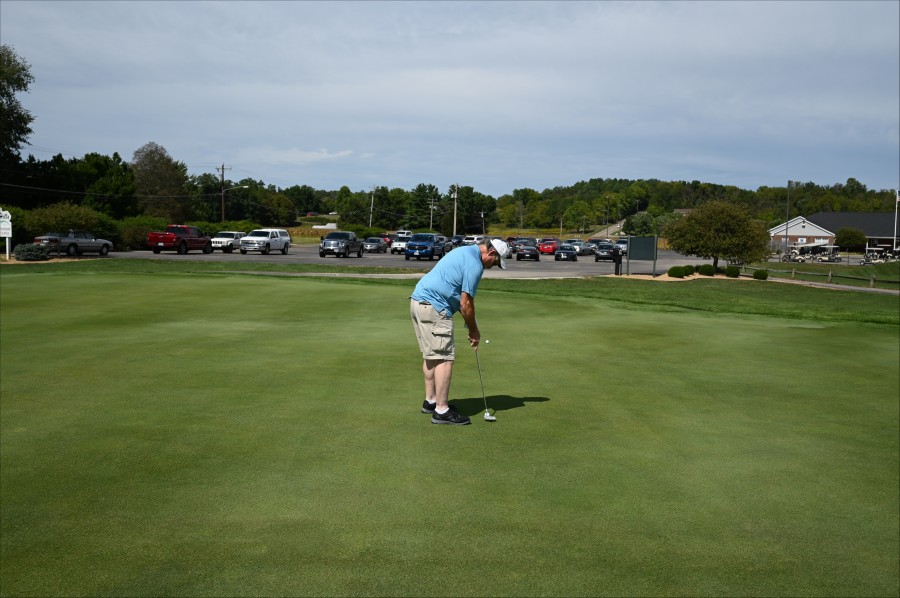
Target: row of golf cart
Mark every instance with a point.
(813, 253)
(879, 255)
(822, 252)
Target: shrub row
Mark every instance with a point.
(708, 270)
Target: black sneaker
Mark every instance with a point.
(427, 407)
(451, 417)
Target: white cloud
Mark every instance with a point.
(499, 95)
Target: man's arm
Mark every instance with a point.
(467, 309)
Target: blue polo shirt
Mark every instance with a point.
(457, 272)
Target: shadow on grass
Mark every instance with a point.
(495, 403)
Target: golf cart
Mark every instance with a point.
(829, 253)
(873, 255)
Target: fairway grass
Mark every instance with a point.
(210, 434)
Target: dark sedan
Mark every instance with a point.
(375, 245)
(528, 252)
(603, 251)
(566, 252)
(522, 241)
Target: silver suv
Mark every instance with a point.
(265, 240)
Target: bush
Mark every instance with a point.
(133, 231)
(32, 252)
(732, 271)
(707, 270)
(676, 272)
(64, 216)
(760, 274)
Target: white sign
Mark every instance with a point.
(5, 228)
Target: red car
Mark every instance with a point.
(548, 245)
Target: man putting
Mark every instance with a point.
(448, 288)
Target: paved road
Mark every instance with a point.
(546, 268)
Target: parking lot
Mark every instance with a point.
(545, 268)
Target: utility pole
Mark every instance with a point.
(787, 217)
(222, 169)
(455, 193)
(371, 205)
(431, 215)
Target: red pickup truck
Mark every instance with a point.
(181, 238)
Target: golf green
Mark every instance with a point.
(216, 434)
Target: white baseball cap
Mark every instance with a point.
(502, 249)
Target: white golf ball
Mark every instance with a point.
(488, 342)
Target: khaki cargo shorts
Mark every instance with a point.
(434, 331)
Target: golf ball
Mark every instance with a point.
(488, 342)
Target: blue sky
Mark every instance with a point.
(498, 96)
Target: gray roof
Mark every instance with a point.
(874, 224)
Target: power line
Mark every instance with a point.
(107, 194)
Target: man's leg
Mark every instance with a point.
(438, 373)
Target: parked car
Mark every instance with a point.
(340, 243)
(523, 241)
(425, 245)
(582, 248)
(623, 244)
(227, 240)
(548, 245)
(447, 243)
(404, 233)
(180, 237)
(265, 240)
(399, 244)
(375, 245)
(472, 239)
(528, 252)
(74, 242)
(457, 240)
(603, 251)
(566, 252)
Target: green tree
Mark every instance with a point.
(303, 198)
(65, 215)
(15, 120)
(851, 239)
(718, 229)
(642, 224)
(109, 185)
(394, 208)
(161, 183)
(579, 215)
(421, 202)
(279, 209)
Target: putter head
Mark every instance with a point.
(488, 417)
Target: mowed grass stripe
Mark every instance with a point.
(229, 435)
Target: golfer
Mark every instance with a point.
(448, 288)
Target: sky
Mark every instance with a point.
(495, 95)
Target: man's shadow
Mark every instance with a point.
(474, 405)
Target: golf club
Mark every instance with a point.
(487, 414)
